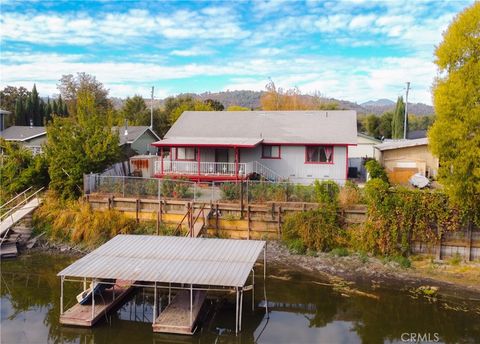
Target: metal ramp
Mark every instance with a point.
(24, 207)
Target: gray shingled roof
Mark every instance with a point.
(316, 127)
(134, 132)
(22, 133)
(395, 144)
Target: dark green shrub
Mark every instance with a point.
(375, 170)
(326, 191)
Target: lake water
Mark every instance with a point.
(302, 310)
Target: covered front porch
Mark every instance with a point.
(202, 162)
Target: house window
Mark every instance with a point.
(186, 153)
(319, 155)
(270, 152)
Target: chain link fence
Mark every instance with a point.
(249, 191)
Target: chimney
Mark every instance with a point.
(126, 128)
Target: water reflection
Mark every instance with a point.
(300, 311)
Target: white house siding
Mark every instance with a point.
(364, 148)
(292, 164)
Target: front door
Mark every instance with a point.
(221, 158)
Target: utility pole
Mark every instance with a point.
(151, 110)
(406, 113)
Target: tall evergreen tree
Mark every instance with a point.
(29, 111)
(20, 118)
(36, 107)
(48, 110)
(398, 118)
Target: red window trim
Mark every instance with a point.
(176, 154)
(272, 157)
(319, 162)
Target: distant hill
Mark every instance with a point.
(251, 99)
(379, 102)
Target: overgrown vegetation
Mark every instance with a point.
(375, 170)
(176, 188)
(20, 169)
(75, 222)
(318, 229)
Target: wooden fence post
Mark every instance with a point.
(248, 220)
(439, 246)
(241, 199)
(137, 209)
(216, 217)
(469, 255)
(279, 224)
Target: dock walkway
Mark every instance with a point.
(176, 316)
(81, 315)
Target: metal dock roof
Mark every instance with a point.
(214, 262)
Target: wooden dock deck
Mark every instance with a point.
(176, 316)
(81, 315)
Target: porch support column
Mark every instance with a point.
(198, 162)
(161, 160)
(236, 162)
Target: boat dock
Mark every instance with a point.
(88, 315)
(176, 317)
(190, 267)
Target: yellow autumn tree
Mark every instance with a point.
(292, 99)
(455, 134)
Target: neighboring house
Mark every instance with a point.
(29, 136)
(3, 113)
(300, 146)
(403, 158)
(359, 153)
(137, 139)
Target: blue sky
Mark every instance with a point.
(353, 50)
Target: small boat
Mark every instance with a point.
(85, 296)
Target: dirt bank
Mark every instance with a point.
(459, 281)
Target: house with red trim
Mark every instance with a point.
(299, 146)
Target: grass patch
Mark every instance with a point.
(296, 246)
(402, 261)
(339, 252)
(455, 260)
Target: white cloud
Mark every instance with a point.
(119, 28)
(193, 51)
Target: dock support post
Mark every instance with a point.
(93, 299)
(84, 283)
(169, 292)
(253, 289)
(236, 310)
(61, 294)
(191, 305)
(241, 311)
(154, 303)
(265, 278)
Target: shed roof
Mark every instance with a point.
(201, 261)
(294, 127)
(22, 133)
(133, 133)
(396, 144)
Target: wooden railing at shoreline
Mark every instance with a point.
(264, 221)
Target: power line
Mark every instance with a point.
(406, 112)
